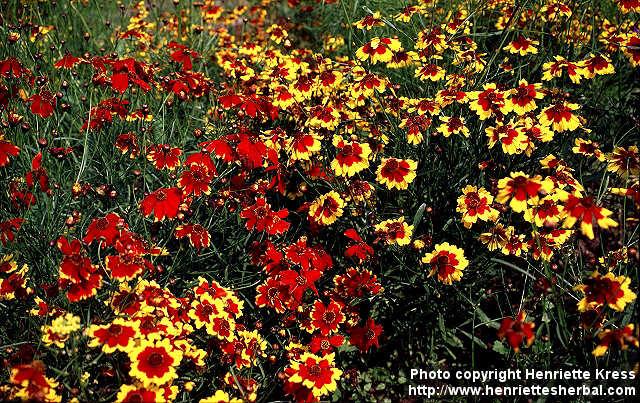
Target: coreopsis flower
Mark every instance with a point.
(326, 209)
(318, 374)
(624, 161)
(43, 104)
(356, 283)
(197, 234)
(127, 143)
(60, 329)
(560, 117)
(409, 11)
(120, 335)
(475, 204)
(545, 211)
(30, 383)
(394, 231)
(220, 397)
(430, 71)
(154, 362)
(261, 218)
(447, 261)
(366, 336)
(7, 150)
(515, 243)
(489, 102)
(415, 126)
(301, 146)
(196, 180)
(556, 68)
(623, 338)
(627, 6)
(519, 188)
(359, 248)
(544, 243)
(632, 191)
(163, 203)
(105, 230)
(327, 318)
(164, 156)
(378, 50)
(522, 46)
(396, 173)
(133, 393)
(369, 21)
(326, 117)
(607, 290)
(453, 125)
(351, 158)
(8, 230)
(511, 138)
(516, 331)
(496, 238)
(585, 210)
(588, 148)
(630, 49)
(522, 99)
(597, 65)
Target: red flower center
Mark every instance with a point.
(155, 359)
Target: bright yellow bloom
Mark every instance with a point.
(447, 261)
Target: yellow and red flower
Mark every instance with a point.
(326, 209)
(394, 231)
(585, 210)
(623, 338)
(447, 261)
(522, 46)
(607, 290)
(155, 362)
(318, 374)
(396, 173)
(475, 204)
(519, 188)
(120, 334)
(560, 117)
(351, 158)
(378, 50)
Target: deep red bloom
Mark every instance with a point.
(327, 318)
(516, 331)
(366, 336)
(42, 104)
(9, 228)
(359, 249)
(163, 203)
(182, 55)
(197, 234)
(7, 149)
(106, 229)
(260, 217)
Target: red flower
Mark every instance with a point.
(164, 156)
(9, 228)
(67, 62)
(196, 180)
(366, 336)
(325, 344)
(261, 218)
(183, 55)
(359, 249)
(327, 318)
(106, 229)
(77, 272)
(356, 283)
(43, 104)
(164, 202)
(299, 282)
(7, 149)
(197, 234)
(516, 331)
